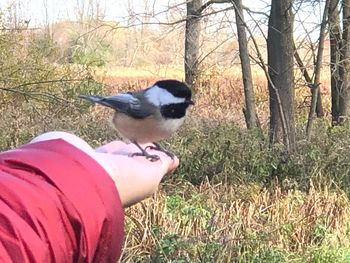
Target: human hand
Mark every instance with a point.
(135, 177)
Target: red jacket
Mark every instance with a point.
(57, 205)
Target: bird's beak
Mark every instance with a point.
(190, 102)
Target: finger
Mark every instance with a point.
(113, 147)
(165, 163)
(121, 148)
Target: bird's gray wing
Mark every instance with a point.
(124, 102)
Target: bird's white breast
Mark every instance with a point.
(171, 125)
(151, 129)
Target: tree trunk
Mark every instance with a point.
(280, 62)
(316, 84)
(308, 79)
(250, 112)
(319, 107)
(335, 43)
(344, 110)
(192, 34)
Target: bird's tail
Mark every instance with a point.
(91, 98)
(96, 99)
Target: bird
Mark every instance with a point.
(149, 115)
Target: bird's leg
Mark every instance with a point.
(157, 147)
(151, 157)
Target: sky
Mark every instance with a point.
(39, 12)
(43, 12)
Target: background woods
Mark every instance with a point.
(265, 169)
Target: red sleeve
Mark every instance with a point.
(57, 205)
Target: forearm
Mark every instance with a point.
(72, 201)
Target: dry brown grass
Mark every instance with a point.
(249, 216)
(234, 223)
(239, 220)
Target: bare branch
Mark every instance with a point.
(302, 66)
(16, 89)
(210, 2)
(254, 12)
(214, 49)
(41, 82)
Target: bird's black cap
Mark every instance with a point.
(175, 87)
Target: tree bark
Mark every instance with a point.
(344, 110)
(308, 79)
(249, 110)
(280, 62)
(192, 34)
(335, 46)
(316, 84)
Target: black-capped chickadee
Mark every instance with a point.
(149, 115)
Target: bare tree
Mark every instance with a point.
(280, 62)
(344, 98)
(195, 9)
(249, 110)
(335, 46)
(309, 81)
(193, 29)
(316, 84)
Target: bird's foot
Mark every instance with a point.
(151, 157)
(157, 147)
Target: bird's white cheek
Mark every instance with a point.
(158, 96)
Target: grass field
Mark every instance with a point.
(233, 199)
